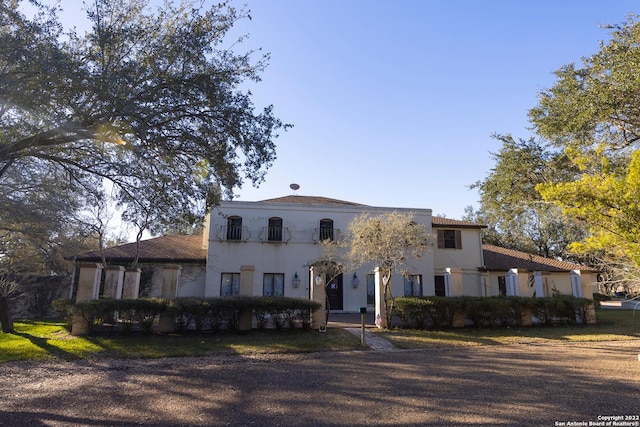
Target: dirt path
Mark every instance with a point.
(516, 385)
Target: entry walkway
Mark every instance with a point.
(352, 322)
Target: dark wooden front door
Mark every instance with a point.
(334, 293)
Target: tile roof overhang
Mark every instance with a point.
(181, 249)
(501, 259)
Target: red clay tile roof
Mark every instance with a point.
(165, 249)
(501, 259)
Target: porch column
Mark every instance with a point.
(245, 318)
(318, 293)
(576, 283)
(170, 280)
(88, 289)
(113, 278)
(89, 281)
(381, 308)
(581, 289)
(538, 284)
(453, 277)
(131, 283)
(511, 279)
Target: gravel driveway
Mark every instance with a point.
(513, 385)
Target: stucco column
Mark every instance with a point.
(454, 276)
(317, 293)
(538, 284)
(511, 279)
(170, 280)
(576, 283)
(381, 308)
(89, 281)
(131, 283)
(113, 279)
(88, 289)
(582, 289)
(245, 317)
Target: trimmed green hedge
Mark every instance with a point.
(199, 314)
(438, 312)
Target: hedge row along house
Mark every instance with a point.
(268, 248)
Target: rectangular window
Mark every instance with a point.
(449, 239)
(273, 284)
(413, 285)
(371, 289)
(230, 284)
(502, 285)
(440, 289)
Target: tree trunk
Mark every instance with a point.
(388, 299)
(5, 317)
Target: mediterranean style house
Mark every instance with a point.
(269, 248)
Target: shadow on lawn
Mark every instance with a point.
(44, 345)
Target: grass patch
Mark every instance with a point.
(613, 325)
(35, 340)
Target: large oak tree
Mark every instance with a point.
(150, 108)
(150, 100)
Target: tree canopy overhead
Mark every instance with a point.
(592, 113)
(151, 101)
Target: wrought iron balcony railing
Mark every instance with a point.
(275, 235)
(322, 234)
(233, 233)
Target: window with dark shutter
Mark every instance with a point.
(449, 239)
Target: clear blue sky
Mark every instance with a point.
(394, 102)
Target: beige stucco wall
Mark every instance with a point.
(300, 251)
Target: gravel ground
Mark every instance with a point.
(514, 385)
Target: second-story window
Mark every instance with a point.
(234, 228)
(449, 239)
(274, 233)
(326, 229)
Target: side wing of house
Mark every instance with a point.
(458, 258)
(511, 272)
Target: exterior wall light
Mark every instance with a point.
(355, 281)
(296, 280)
(318, 280)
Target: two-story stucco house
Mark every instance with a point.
(269, 247)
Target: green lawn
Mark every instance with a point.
(46, 339)
(613, 325)
(42, 339)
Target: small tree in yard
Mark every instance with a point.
(389, 242)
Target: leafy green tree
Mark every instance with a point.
(149, 101)
(513, 209)
(591, 113)
(149, 106)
